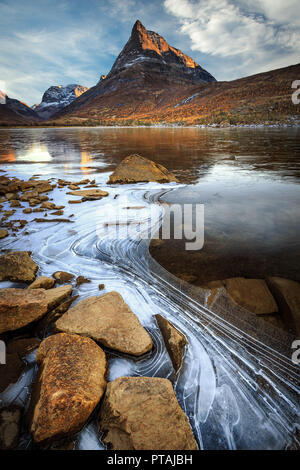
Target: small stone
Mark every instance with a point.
(60, 212)
(55, 296)
(3, 233)
(51, 220)
(101, 286)
(10, 196)
(62, 277)
(89, 193)
(42, 282)
(15, 203)
(174, 341)
(33, 202)
(81, 280)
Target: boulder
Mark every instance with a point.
(135, 169)
(108, 320)
(252, 294)
(142, 413)
(62, 277)
(55, 296)
(20, 307)
(10, 421)
(42, 282)
(17, 266)
(70, 383)
(287, 295)
(174, 341)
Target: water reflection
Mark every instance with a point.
(247, 179)
(35, 154)
(190, 152)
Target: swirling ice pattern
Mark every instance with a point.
(237, 392)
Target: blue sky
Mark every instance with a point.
(57, 42)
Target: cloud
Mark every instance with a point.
(52, 42)
(259, 35)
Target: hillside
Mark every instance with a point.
(145, 99)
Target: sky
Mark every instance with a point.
(59, 42)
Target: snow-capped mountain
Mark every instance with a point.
(56, 98)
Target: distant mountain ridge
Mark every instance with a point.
(22, 109)
(56, 98)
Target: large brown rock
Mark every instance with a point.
(10, 420)
(17, 266)
(108, 320)
(70, 383)
(19, 307)
(287, 295)
(174, 341)
(135, 168)
(252, 294)
(142, 413)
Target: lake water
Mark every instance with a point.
(237, 384)
(248, 180)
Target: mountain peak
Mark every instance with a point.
(57, 97)
(151, 51)
(138, 25)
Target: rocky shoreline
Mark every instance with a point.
(72, 372)
(73, 337)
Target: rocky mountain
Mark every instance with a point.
(10, 118)
(17, 107)
(146, 64)
(14, 112)
(264, 98)
(56, 98)
(156, 55)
